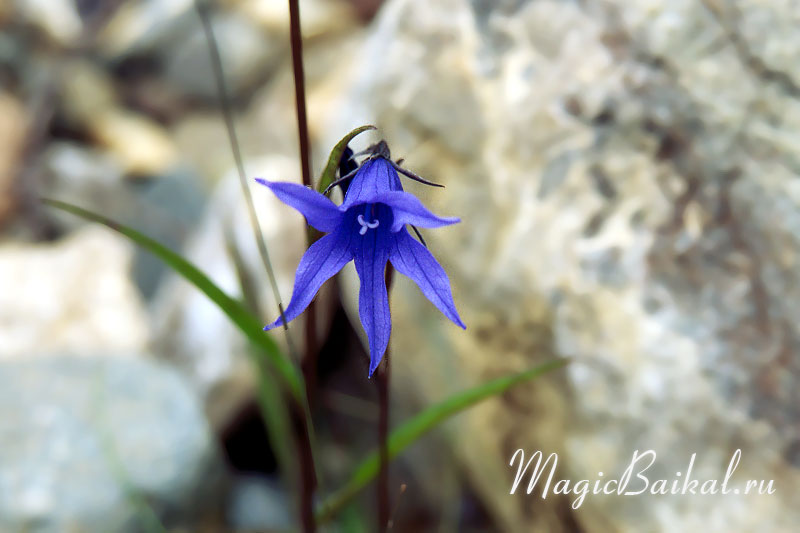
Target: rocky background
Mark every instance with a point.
(626, 175)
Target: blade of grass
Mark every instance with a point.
(329, 174)
(274, 410)
(413, 429)
(247, 323)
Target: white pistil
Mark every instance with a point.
(366, 225)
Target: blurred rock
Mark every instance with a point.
(13, 130)
(199, 137)
(144, 28)
(253, 38)
(139, 144)
(86, 91)
(86, 176)
(319, 17)
(102, 444)
(74, 296)
(256, 504)
(5, 12)
(58, 19)
(247, 56)
(171, 206)
(627, 186)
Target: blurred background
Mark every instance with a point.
(626, 172)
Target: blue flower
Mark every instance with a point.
(370, 228)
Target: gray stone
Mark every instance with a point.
(174, 204)
(101, 444)
(247, 56)
(148, 27)
(257, 504)
(626, 179)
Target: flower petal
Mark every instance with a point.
(407, 209)
(319, 211)
(373, 302)
(322, 260)
(375, 176)
(412, 259)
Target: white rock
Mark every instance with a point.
(58, 18)
(74, 296)
(624, 176)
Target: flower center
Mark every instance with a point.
(366, 225)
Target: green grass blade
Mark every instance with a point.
(415, 428)
(276, 415)
(329, 174)
(239, 315)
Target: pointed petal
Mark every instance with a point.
(375, 176)
(373, 301)
(412, 259)
(407, 209)
(319, 211)
(322, 260)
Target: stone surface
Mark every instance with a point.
(625, 176)
(101, 444)
(320, 18)
(252, 36)
(75, 296)
(247, 56)
(257, 504)
(136, 142)
(86, 176)
(145, 28)
(58, 19)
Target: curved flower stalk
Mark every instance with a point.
(369, 227)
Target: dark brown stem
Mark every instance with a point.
(308, 480)
(383, 427)
(309, 363)
(300, 89)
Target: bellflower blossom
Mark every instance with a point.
(370, 228)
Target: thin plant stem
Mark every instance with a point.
(308, 480)
(300, 90)
(383, 426)
(227, 113)
(309, 363)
